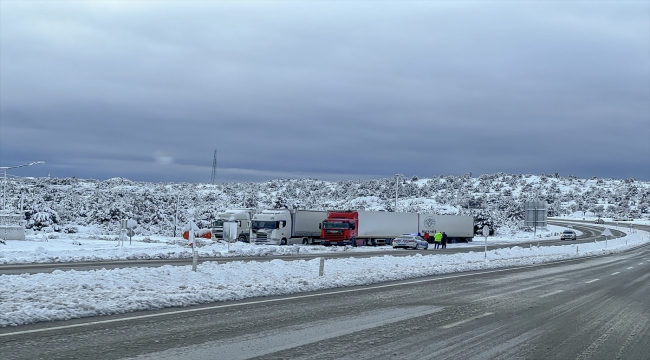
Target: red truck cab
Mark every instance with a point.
(340, 228)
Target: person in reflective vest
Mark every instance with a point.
(437, 240)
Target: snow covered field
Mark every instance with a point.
(71, 294)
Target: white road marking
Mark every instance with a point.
(466, 320)
(551, 293)
(590, 281)
(631, 267)
(618, 272)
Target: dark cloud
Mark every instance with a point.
(325, 90)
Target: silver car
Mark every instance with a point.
(568, 235)
(410, 242)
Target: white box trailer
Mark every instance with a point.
(283, 227)
(306, 224)
(380, 227)
(457, 228)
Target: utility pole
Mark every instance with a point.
(178, 199)
(4, 170)
(397, 178)
(214, 168)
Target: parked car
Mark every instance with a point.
(410, 242)
(623, 218)
(599, 221)
(568, 235)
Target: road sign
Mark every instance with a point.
(607, 232)
(130, 232)
(131, 224)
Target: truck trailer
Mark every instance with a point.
(366, 227)
(284, 227)
(457, 228)
(243, 219)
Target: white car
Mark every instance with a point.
(568, 235)
(410, 242)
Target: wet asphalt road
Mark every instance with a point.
(591, 308)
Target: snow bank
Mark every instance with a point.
(63, 295)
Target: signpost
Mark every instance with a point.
(126, 229)
(230, 231)
(606, 233)
(123, 225)
(536, 213)
(130, 225)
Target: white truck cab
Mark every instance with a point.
(284, 227)
(243, 217)
(270, 227)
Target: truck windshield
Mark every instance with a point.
(218, 222)
(335, 225)
(259, 224)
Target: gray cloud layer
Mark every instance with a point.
(331, 90)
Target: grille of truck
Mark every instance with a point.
(334, 236)
(261, 237)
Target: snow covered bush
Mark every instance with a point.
(42, 217)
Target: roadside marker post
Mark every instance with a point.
(486, 232)
(321, 267)
(192, 240)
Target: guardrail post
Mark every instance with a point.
(321, 268)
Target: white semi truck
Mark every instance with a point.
(242, 217)
(284, 227)
(457, 228)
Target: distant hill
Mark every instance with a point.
(78, 205)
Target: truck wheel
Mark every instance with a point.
(242, 238)
(283, 242)
(305, 241)
(354, 242)
(372, 242)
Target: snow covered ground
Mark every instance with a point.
(80, 247)
(71, 294)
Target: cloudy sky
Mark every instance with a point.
(147, 90)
